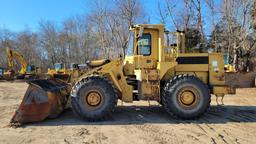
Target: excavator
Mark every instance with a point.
(155, 67)
(26, 71)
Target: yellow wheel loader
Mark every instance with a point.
(154, 68)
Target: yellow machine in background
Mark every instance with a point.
(25, 69)
(154, 68)
(228, 67)
(68, 75)
(14, 55)
(58, 68)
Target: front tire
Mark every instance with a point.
(186, 97)
(95, 98)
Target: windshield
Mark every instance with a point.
(58, 66)
(130, 44)
(29, 69)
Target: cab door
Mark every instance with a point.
(146, 65)
(147, 50)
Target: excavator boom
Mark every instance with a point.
(14, 55)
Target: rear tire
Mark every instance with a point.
(95, 98)
(186, 97)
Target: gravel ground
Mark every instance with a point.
(135, 123)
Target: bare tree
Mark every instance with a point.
(253, 15)
(7, 39)
(235, 31)
(131, 12)
(26, 43)
(111, 25)
(49, 42)
(104, 31)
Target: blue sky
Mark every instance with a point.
(17, 15)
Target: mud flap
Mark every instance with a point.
(43, 99)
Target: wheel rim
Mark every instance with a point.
(93, 98)
(188, 97)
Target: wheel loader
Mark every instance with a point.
(155, 67)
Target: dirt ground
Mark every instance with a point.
(137, 123)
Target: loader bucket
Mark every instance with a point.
(43, 99)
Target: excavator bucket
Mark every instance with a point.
(43, 99)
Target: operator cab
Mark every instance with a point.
(149, 49)
(150, 45)
(58, 66)
(143, 48)
(31, 69)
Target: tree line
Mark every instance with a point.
(223, 26)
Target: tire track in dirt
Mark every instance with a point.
(149, 133)
(157, 133)
(205, 126)
(139, 119)
(154, 134)
(220, 134)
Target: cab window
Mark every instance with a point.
(130, 50)
(144, 45)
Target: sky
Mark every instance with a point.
(18, 15)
